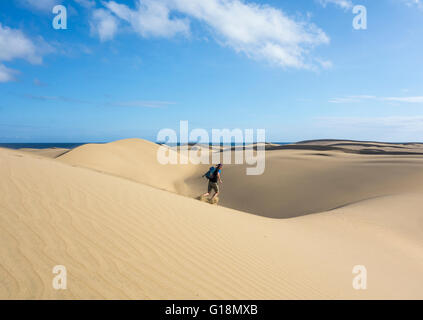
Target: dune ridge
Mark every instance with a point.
(355, 147)
(134, 159)
(49, 152)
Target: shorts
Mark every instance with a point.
(214, 186)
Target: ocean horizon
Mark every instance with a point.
(72, 145)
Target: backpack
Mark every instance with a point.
(209, 174)
(214, 175)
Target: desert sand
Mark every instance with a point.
(127, 227)
(48, 153)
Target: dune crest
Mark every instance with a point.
(48, 153)
(133, 159)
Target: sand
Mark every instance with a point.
(133, 159)
(125, 227)
(48, 152)
(297, 183)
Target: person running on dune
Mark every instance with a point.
(214, 179)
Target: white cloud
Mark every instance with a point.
(351, 99)
(15, 45)
(48, 5)
(325, 64)
(86, 3)
(131, 103)
(6, 74)
(259, 31)
(414, 3)
(37, 82)
(104, 24)
(42, 5)
(142, 104)
(405, 99)
(362, 98)
(344, 4)
(388, 128)
(150, 18)
(408, 123)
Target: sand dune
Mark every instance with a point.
(48, 152)
(359, 147)
(123, 239)
(297, 182)
(134, 159)
(362, 143)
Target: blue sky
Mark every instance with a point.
(126, 69)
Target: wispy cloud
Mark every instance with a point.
(387, 128)
(7, 74)
(151, 18)
(352, 99)
(142, 104)
(404, 99)
(392, 124)
(132, 103)
(38, 83)
(14, 44)
(364, 98)
(40, 5)
(344, 4)
(21, 126)
(414, 3)
(86, 3)
(55, 98)
(104, 24)
(261, 32)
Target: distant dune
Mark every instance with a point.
(359, 147)
(104, 212)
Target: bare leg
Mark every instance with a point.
(214, 196)
(205, 194)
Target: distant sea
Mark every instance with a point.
(69, 145)
(40, 145)
(223, 144)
